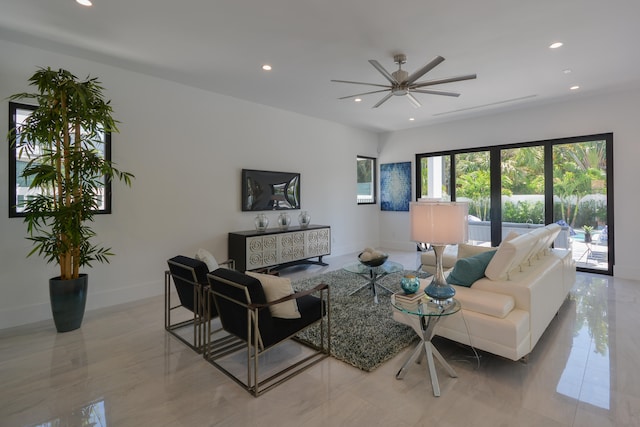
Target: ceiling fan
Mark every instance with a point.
(403, 84)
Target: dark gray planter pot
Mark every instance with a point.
(68, 299)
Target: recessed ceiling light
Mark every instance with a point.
(357, 100)
(555, 45)
(567, 71)
(266, 67)
(84, 2)
(411, 119)
(575, 87)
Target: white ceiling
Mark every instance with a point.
(220, 45)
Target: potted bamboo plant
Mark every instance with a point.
(67, 174)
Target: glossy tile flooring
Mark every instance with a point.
(122, 369)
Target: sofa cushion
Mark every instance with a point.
(509, 255)
(274, 288)
(465, 250)
(468, 270)
(489, 303)
(448, 257)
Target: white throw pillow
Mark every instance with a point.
(275, 288)
(206, 257)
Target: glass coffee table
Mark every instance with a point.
(373, 274)
(423, 317)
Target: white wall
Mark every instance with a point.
(614, 112)
(186, 148)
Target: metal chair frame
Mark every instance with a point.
(201, 319)
(255, 347)
(198, 340)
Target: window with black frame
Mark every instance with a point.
(19, 186)
(366, 173)
(523, 186)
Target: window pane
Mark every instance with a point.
(366, 177)
(435, 176)
(522, 177)
(580, 200)
(473, 185)
(19, 159)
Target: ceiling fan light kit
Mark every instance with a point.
(401, 83)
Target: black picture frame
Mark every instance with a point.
(270, 191)
(17, 185)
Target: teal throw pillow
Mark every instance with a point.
(468, 270)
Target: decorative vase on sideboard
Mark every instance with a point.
(261, 222)
(304, 219)
(284, 220)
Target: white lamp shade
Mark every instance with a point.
(444, 223)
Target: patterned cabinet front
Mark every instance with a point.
(318, 242)
(262, 251)
(290, 247)
(253, 250)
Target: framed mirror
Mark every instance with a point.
(270, 191)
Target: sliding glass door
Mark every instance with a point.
(522, 189)
(580, 185)
(524, 186)
(473, 185)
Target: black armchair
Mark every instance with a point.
(244, 313)
(190, 278)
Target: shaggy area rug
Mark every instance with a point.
(363, 334)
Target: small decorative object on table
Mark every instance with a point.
(284, 220)
(304, 219)
(261, 222)
(410, 284)
(372, 258)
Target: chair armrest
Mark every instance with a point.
(230, 262)
(295, 295)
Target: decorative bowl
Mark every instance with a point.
(410, 284)
(376, 262)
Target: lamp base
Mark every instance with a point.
(440, 294)
(439, 290)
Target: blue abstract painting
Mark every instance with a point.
(395, 186)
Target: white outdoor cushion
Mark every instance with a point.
(275, 288)
(206, 257)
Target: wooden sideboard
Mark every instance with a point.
(275, 249)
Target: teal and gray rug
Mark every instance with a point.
(363, 334)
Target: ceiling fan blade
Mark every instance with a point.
(413, 100)
(436, 92)
(424, 70)
(383, 100)
(361, 94)
(383, 71)
(361, 83)
(441, 81)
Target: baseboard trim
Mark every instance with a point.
(24, 315)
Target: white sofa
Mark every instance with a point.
(507, 311)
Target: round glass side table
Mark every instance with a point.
(423, 316)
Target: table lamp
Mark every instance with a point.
(440, 224)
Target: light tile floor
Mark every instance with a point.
(122, 369)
